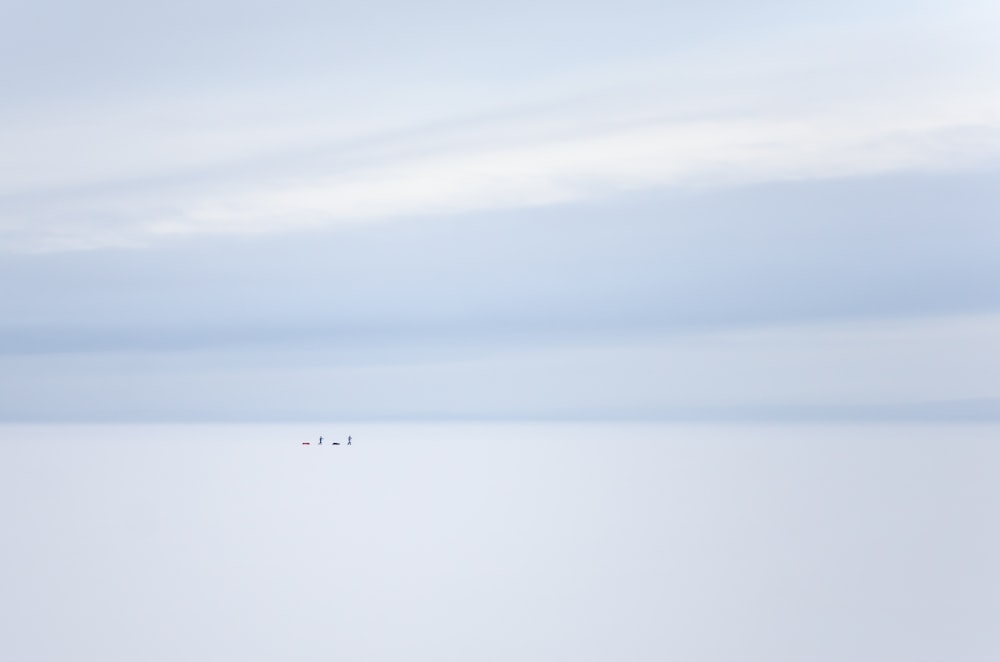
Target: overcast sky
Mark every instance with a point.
(549, 209)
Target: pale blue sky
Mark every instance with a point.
(253, 210)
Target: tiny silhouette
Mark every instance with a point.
(348, 440)
(321, 441)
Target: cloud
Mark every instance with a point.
(898, 368)
(913, 245)
(703, 154)
(853, 98)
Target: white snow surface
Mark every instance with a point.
(500, 542)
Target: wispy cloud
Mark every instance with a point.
(818, 103)
(900, 368)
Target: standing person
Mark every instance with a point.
(321, 441)
(348, 440)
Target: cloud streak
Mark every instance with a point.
(812, 104)
(905, 368)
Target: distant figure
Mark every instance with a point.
(321, 441)
(348, 440)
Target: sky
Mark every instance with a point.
(253, 211)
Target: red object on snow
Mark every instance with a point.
(305, 443)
